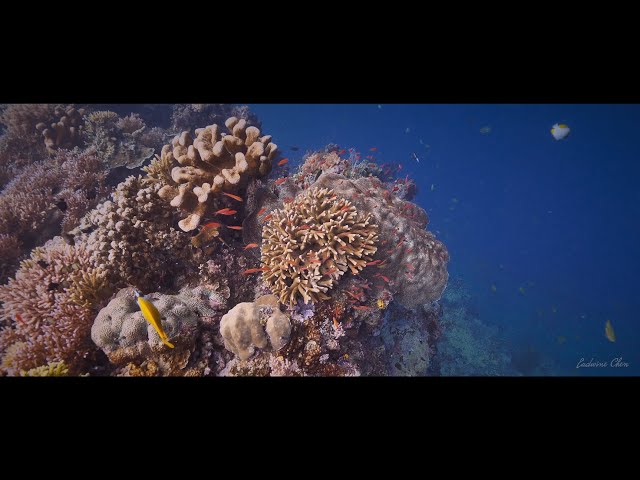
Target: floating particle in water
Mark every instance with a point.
(407, 130)
(433, 187)
(379, 107)
(560, 131)
(561, 339)
(494, 289)
(486, 130)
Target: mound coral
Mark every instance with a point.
(191, 172)
(126, 337)
(48, 307)
(131, 237)
(65, 131)
(243, 327)
(118, 141)
(310, 243)
(412, 262)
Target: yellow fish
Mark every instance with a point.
(152, 315)
(608, 331)
(381, 303)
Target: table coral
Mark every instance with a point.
(312, 242)
(192, 172)
(48, 307)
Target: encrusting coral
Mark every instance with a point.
(191, 172)
(310, 243)
(48, 307)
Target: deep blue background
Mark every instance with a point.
(558, 219)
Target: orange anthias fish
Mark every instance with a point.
(357, 297)
(262, 210)
(268, 217)
(280, 181)
(226, 211)
(231, 195)
(251, 245)
(283, 161)
(373, 149)
(254, 270)
(361, 307)
(341, 152)
(211, 225)
(375, 262)
(234, 227)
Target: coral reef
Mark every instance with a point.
(119, 142)
(50, 197)
(467, 346)
(187, 116)
(412, 263)
(191, 172)
(312, 242)
(131, 237)
(48, 308)
(52, 369)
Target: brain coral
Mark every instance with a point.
(310, 243)
(413, 264)
(124, 335)
(191, 171)
(48, 307)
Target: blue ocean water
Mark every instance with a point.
(544, 233)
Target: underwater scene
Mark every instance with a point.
(319, 240)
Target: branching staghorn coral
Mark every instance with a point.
(191, 172)
(48, 307)
(131, 236)
(310, 243)
(118, 141)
